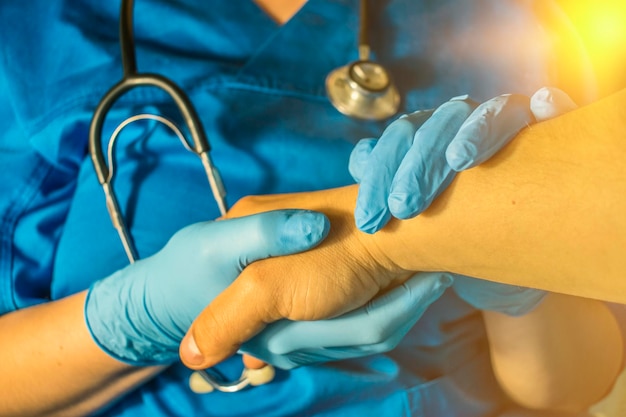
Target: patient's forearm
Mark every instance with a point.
(546, 212)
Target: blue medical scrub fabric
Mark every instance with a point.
(259, 89)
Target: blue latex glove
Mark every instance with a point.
(374, 328)
(485, 295)
(511, 300)
(140, 314)
(405, 170)
(418, 155)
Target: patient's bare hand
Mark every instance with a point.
(341, 274)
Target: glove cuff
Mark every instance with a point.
(511, 300)
(120, 324)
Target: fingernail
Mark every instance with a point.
(190, 352)
(304, 229)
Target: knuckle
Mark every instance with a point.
(257, 281)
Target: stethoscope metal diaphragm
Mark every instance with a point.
(363, 89)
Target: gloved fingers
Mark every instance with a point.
(281, 232)
(512, 300)
(549, 102)
(382, 325)
(387, 317)
(491, 126)
(371, 212)
(307, 357)
(424, 172)
(359, 158)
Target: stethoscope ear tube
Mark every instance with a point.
(198, 137)
(104, 172)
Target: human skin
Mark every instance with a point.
(82, 377)
(564, 355)
(545, 212)
(61, 372)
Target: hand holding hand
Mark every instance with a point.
(340, 275)
(140, 314)
(374, 328)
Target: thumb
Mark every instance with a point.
(235, 244)
(241, 311)
(274, 233)
(549, 102)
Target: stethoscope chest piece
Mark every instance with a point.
(363, 89)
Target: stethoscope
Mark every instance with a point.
(362, 89)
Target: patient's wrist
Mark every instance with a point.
(338, 204)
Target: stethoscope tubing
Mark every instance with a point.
(131, 79)
(129, 82)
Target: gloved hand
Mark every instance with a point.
(418, 155)
(374, 328)
(140, 314)
(512, 300)
(485, 295)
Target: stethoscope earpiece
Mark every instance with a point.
(364, 90)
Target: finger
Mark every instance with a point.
(512, 300)
(394, 317)
(251, 362)
(371, 212)
(275, 233)
(549, 102)
(359, 158)
(237, 314)
(491, 126)
(424, 172)
(374, 323)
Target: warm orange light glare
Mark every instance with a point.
(601, 26)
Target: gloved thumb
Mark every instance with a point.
(549, 102)
(262, 235)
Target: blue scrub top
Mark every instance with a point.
(259, 89)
